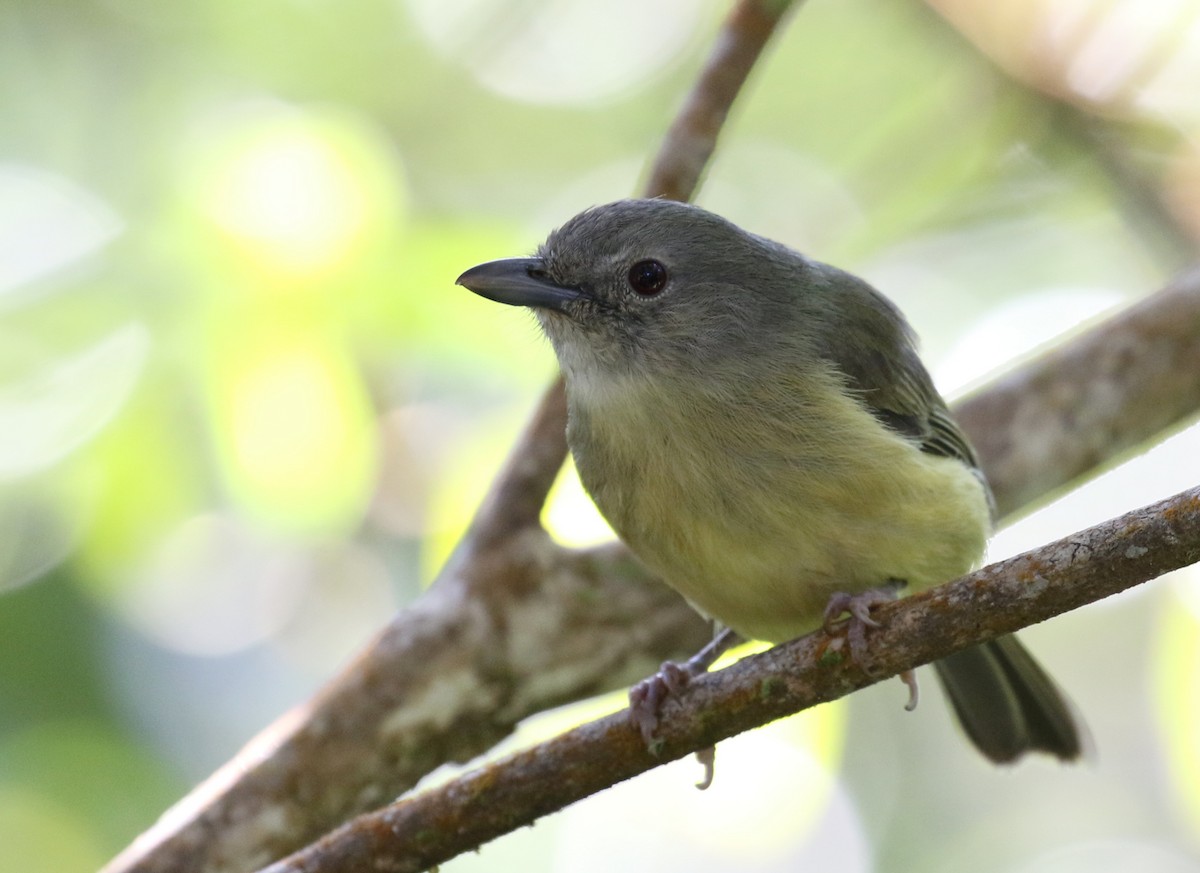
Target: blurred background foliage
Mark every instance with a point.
(245, 413)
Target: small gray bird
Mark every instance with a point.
(758, 428)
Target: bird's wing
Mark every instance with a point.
(875, 350)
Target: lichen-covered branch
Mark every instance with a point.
(434, 826)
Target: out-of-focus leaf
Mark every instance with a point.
(51, 412)
(46, 224)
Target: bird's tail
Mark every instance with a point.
(1008, 704)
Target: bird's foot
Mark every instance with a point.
(647, 697)
(859, 607)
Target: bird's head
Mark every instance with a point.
(638, 286)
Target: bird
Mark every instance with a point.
(758, 427)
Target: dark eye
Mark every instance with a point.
(647, 277)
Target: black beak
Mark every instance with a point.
(518, 282)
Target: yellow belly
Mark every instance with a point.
(757, 514)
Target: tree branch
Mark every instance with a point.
(1085, 403)
(515, 624)
(434, 826)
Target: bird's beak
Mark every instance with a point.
(518, 282)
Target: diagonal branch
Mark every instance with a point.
(692, 139)
(1103, 136)
(429, 828)
(1085, 403)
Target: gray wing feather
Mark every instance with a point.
(873, 347)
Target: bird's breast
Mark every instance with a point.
(757, 503)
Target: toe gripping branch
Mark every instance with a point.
(646, 699)
(648, 696)
(859, 607)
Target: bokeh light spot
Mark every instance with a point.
(282, 425)
(298, 192)
(571, 516)
(212, 588)
(296, 429)
(350, 593)
(292, 196)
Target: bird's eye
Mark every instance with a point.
(647, 278)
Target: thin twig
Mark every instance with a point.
(516, 497)
(1104, 141)
(691, 140)
(429, 828)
